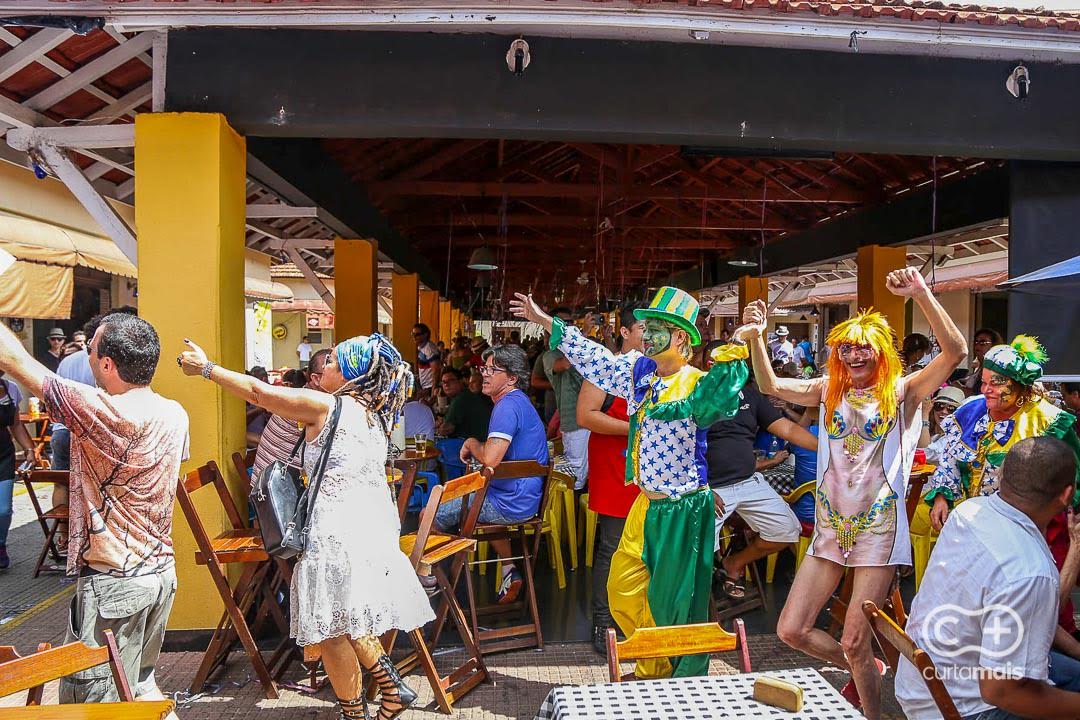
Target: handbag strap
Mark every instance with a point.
(320, 466)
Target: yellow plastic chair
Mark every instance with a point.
(923, 539)
(564, 508)
(587, 524)
(803, 543)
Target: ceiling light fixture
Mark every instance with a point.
(483, 258)
(742, 259)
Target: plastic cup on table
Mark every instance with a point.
(920, 458)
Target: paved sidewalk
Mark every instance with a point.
(519, 680)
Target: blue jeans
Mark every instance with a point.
(7, 487)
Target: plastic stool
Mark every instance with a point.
(921, 547)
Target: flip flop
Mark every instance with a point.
(734, 589)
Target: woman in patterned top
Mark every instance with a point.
(870, 424)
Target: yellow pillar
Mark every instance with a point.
(429, 313)
(190, 197)
(751, 289)
(356, 284)
(875, 262)
(457, 321)
(446, 330)
(405, 291)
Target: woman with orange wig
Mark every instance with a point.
(870, 424)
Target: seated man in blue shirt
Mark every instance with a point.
(514, 433)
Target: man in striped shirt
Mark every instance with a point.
(280, 435)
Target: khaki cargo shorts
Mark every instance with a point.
(136, 609)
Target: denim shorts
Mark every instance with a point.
(136, 609)
(449, 515)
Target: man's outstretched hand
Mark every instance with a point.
(524, 307)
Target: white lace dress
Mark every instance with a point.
(353, 578)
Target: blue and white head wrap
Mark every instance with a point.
(372, 366)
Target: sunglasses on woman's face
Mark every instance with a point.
(942, 407)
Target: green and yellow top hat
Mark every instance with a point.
(1022, 360)
(675, 306)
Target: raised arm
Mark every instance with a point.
(921, 384)
(792, 390)
(19, 364)
(611, 373)
(306, 406)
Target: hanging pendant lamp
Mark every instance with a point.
(483, 258)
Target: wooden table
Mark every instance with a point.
(717, 696)
(432, 453)
(40, 436)
(141, 710)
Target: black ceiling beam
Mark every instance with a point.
(356, 84)
(306, 165)
(976, 199)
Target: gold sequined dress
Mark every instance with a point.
(863, 468)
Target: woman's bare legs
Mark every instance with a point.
(342, 664)
(395, 695)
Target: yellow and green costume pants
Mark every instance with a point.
(662, 573)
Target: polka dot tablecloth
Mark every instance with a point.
(720, 696)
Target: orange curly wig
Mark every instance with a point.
(867, 328)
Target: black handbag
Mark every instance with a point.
(283, 504)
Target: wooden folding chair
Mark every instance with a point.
(427, 550)
(51, 520)
(527, 634)
(890, 634)
(30, 673)
(243, 461)
(649, 643)
(8, 653)
(239, 544)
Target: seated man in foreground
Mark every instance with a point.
(986, 612)
(515, 433)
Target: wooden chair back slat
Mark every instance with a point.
(26, 673)
(209, 474)
(243, 462)
(475, 484)
(891, 633)
(675, 641)
(657, 642)
(459, 487)
(196, 479)
(55, 477)
(513, 469)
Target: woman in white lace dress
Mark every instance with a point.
(352, 582)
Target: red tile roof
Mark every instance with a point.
(914, 10)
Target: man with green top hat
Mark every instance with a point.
(662, 572)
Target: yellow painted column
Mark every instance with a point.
(429, 313)
(751, 289)
(190, 198)
(876, 262)
(356, 284)
(446, 320)
(405, 291)
(457, 321)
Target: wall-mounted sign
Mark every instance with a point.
(280, 331)
(320, 321)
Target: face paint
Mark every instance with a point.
(657, 337)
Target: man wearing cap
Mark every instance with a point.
(51, 357)
(662, 572)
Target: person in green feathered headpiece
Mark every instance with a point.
(983, 430)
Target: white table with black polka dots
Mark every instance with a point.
(716, 696)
